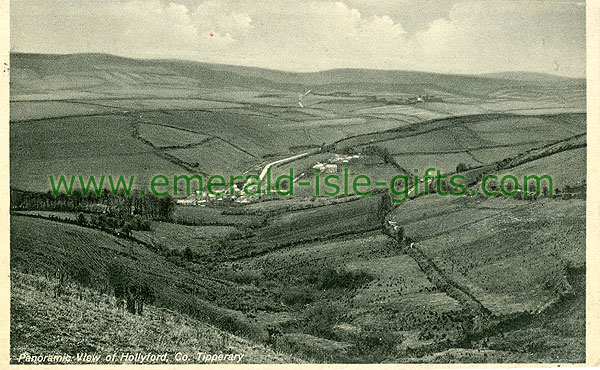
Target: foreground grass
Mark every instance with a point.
(82, 320)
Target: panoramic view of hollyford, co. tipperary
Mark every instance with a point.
(308, 181)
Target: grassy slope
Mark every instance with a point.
(510, 254)
(400, 302)
(245, 115)
(502, 236)
(91, 257)
(213, 75)
(44, 324)
(557, 335)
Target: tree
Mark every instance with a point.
(400, 235)
(385, 204)
(320, 317)
(519, 194)
(386, 156)
(492, 185)
(461, 167)
(188, 255)
(127, 229)
(545, 191)
(130, 290)
(509, 186)
(81, 219)
(76, 197)
(142, 294)
(166, 207)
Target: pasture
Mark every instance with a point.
(487, 278)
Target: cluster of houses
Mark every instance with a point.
(203, 198)
(331, 166)
(408, 100)
(326, 167)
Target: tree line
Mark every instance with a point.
(150, 205)
(108, 211)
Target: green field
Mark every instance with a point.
(164, 136)
(511, 256)
(159, 331)
(302, 278)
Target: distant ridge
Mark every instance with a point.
(529, 76)
(31, 70)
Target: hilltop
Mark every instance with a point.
(91, 69)
(532, 77)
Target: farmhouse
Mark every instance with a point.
(344, 158)
(190, 201)
(326, 167)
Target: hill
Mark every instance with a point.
(532, 77)
(322, 279)
(40, 319)
(330, 296)
(89, 70)
(171, 116)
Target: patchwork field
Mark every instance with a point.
(512, 257)
(303, 278)
(164, 136)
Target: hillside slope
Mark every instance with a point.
(77, 70)
(44, 324)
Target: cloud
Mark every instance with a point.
(306, 35)
(135, 27)
(138, 24)
(213, 17)
(494, 36)
(313, 35)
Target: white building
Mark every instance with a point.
(326, 167)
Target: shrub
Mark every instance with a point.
(330, 278)
(246, 277)
(81, 219)
(188, 255)
(321, 316)
(83, 276)
(297, 296)
(376, 345)
(140, 223)
(461, 167)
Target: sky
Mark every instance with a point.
(445, 36)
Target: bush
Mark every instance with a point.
(330, 278)
(321, 316)
(246, 277)
(140, 223)
(461, 167)
(188, 255)
(83, 276)
(81, 220)
(377, 345)
(296, 296)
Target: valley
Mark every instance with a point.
(303, 278)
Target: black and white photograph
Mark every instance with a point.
(298, 182)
